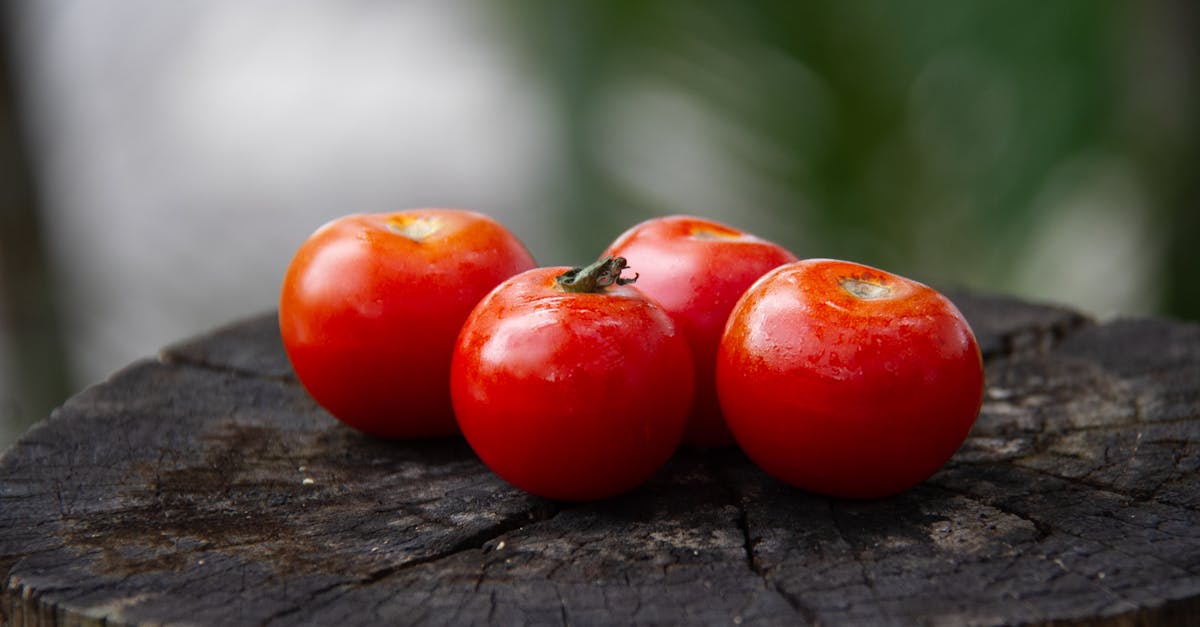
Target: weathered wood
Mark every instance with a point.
(205, 487)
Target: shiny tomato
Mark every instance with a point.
(371, 305)
(571, 385)
(847, 380)
(697, 269)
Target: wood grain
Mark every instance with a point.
(205, 487)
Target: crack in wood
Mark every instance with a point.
(806, 613)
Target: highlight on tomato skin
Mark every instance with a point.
(847, 380)
(696, 269)
(572, 395)
(370, 307)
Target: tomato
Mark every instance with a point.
(371, 305)
(697, 269)
(847, 380)
(574, 395)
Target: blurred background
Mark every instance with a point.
(160, 161)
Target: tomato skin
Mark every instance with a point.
(371, 305)
(573, 396)
(849, 396)
(697, 269)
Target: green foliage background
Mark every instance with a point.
(930, 138)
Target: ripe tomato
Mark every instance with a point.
(847, 380)
(574, 395)
(697, 269)
(371, 306)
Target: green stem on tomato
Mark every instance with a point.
(604, 272)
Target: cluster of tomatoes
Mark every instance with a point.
(580, 383)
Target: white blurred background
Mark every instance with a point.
(186, 148)
(190, 146)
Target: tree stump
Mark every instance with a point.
(205, 487)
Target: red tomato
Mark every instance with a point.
(697, 269)
(847, 380)
(571, 395)
(371, 306)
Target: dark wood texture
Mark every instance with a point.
(205, 487)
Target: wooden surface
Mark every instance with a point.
(205, 487)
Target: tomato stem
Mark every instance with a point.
(595, 278)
